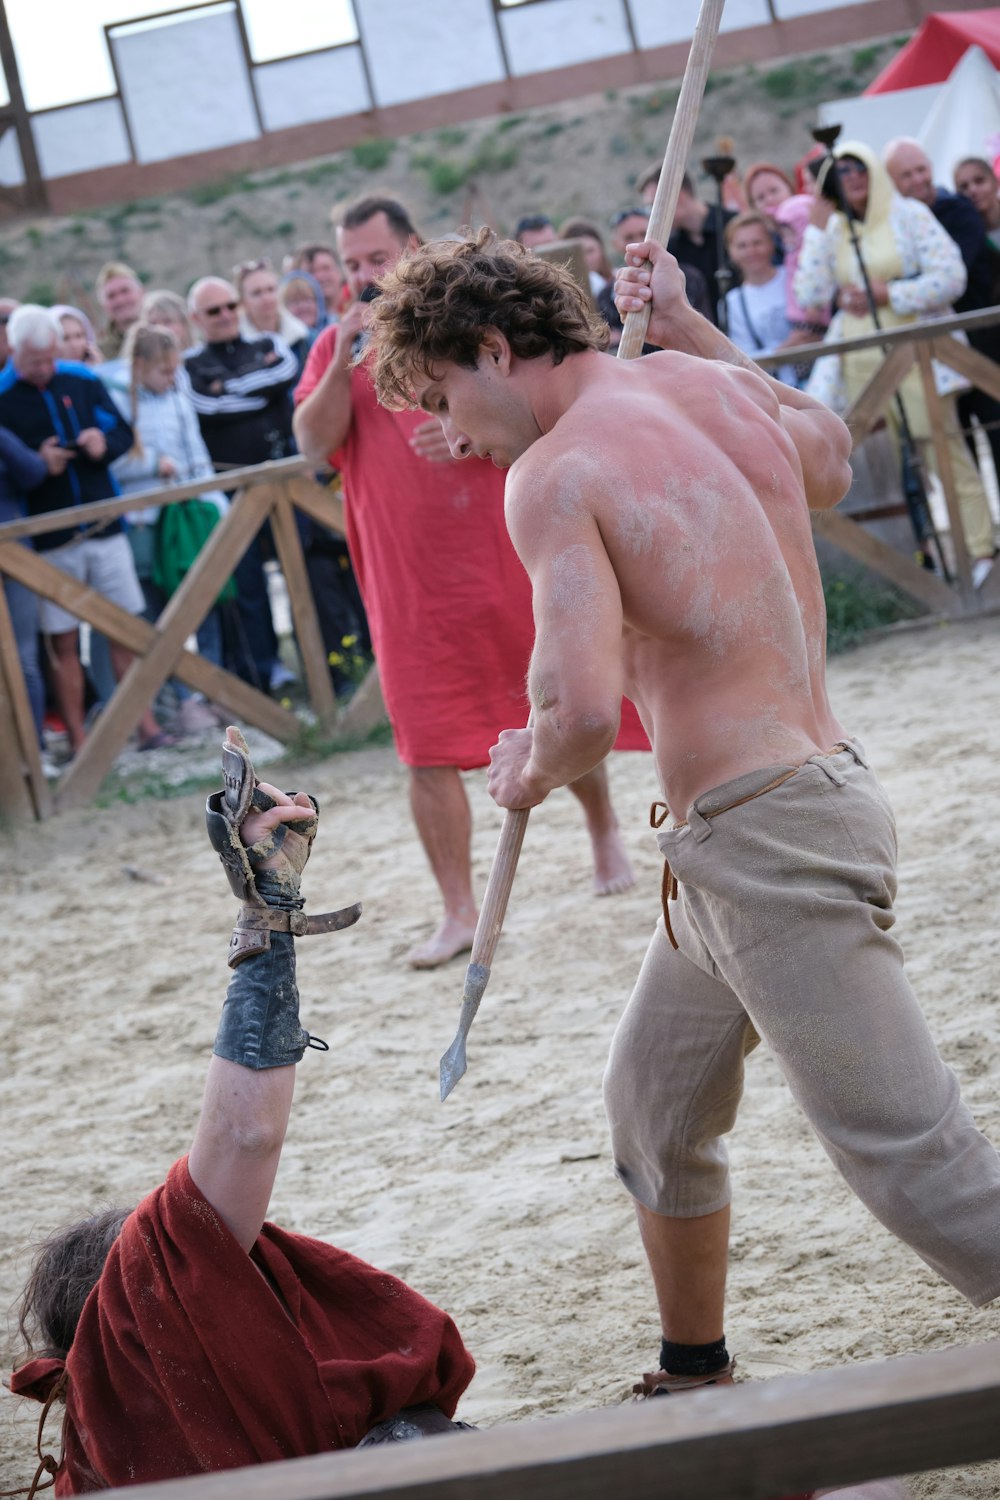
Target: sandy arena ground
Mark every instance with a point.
(501, 1205)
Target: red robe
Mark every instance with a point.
(448, 601)
(185, 1361)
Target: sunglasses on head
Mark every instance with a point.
(248, 267)
(627, 213)
(213, 312)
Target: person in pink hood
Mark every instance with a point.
(791, 217)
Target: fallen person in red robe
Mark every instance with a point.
(189, 1335)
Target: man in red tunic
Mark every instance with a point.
(448, 601)
(190, 1335)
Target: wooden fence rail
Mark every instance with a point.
(749, 1442)
(263, 492)
(917, 344)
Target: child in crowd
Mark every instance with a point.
(168, 448)
(756, 309)
(302, 296)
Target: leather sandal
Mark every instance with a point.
(662, 1383)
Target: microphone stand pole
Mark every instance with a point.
(719, 168)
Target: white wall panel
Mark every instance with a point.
(558, 33)
(436, 46)
(11, 169)
(185, 86)
(659, 25)
(81, 138)
(317, 87)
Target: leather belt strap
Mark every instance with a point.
(668, 890)
(254, 925)
(296, 922)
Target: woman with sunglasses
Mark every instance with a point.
(262, 311)
(915, 270)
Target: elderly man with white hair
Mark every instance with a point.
(62, 412)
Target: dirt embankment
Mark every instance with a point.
(580, 157)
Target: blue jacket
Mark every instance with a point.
(73, 399)
(20, 470)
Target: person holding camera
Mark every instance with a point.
(62, 412)
(447, 600)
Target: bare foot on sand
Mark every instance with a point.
(454, 936)
(612, 868)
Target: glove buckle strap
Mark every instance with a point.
(254, 925)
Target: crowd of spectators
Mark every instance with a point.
(169, 388)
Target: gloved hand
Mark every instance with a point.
(248, 824)
(263, 838)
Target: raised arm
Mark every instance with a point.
(575, 679)
(251, 1076)
(323, 399)
(821, 439)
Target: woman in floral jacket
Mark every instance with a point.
(915, 270)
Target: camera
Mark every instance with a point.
(367, 294)
(825, 170)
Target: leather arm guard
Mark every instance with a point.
(259, 1026)
(281, 912)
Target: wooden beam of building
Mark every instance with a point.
(749, 1442)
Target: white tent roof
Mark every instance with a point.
(950, 120)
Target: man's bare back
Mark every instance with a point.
(681, 472)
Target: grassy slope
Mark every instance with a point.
(579, 157)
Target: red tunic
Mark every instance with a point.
(448, 602)
(185, 1361)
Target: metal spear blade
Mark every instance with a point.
(453, 1063)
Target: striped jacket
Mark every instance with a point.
(242, 393)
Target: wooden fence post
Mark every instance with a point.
(20, 748)
(306, 622)
(183, 614)
(946, 473)
(15, 798)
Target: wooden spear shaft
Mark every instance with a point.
(661, 217)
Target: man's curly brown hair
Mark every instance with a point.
(439, 299)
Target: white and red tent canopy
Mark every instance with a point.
(942, 88)
(942, 41)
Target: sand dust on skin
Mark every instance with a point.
(500, 1205)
